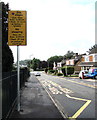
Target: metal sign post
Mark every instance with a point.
(17, 28)
(18, 81)
(17, 37)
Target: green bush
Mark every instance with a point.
(55, 73)
(46, 70)
(70, 70)
(63, 71)
(51, 71)
(59, 74)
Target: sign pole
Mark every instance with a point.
(18, 81)
(17, 37)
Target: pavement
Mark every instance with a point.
(35, 102)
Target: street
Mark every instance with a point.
(74, 97)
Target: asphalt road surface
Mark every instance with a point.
(73, 97)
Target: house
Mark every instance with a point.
(88, 61)
(74, 61)
(57, 66)
(54, 66)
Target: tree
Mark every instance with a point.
(93, 49)
(35, 64)
(43, 64)
(69, 54)
(53, 59)
(7, 55)
(70, 70)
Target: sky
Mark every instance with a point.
(56, 26)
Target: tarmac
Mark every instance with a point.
(35, 103)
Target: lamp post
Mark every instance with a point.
(66, 70)
(30, 59)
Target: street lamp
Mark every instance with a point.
(30, 59)
(66, 70)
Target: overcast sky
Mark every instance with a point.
(56, 26)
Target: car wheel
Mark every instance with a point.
(95, 77)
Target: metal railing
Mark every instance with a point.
(9, 89)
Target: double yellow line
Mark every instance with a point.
(67, 91)
(85, 84)
(82, 108)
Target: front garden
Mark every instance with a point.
(67, 71)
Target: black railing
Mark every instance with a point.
(9, 89)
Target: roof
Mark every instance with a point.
(93, 64)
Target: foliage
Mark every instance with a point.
(7, 59)
(70, 70)
(56, 71)
(46, 70)
(43, 64)
(7, 55)
(93, 49)
(24, 62)
(26, 71)
(59, 74)
(51, 71)
(63, 70)
(35, 64)
(69, 54)
(53, 59)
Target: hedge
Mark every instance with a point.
(70, 70)
(51, 71)
(59, 74)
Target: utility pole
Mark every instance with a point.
(66, 70)
(30, 59)
(3, 42)
(1, 60)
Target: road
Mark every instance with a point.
(73, 97)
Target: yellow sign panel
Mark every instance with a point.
(17, 28)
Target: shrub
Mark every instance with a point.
(70, 70)
(46, 70)
(59, 74)
(51, 71)
(55, 73)
(63, 71)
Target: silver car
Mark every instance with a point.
(37, 74)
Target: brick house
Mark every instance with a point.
(88, 61)
(75, 63)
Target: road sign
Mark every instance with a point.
(16, 28)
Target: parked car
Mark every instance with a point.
(82, 72)
(37, 74)
(92, 74)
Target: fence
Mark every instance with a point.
(9, 89)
